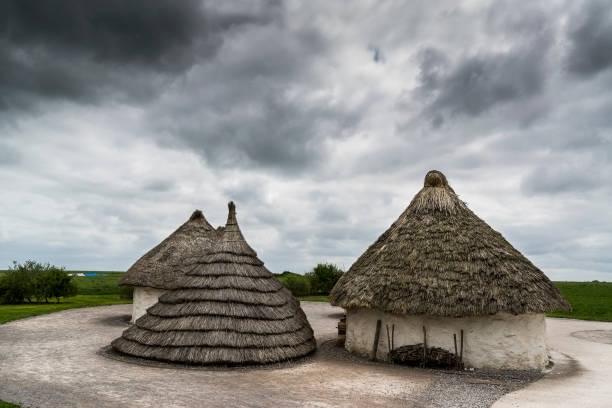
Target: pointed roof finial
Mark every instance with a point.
(232, 239)
(435, 178)
(231, 215)
(196, 214)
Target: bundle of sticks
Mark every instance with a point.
(422, 356)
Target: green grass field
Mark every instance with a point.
(7, 405)
(15, 312)
(589, 300)
(99, 290)
(105, 283)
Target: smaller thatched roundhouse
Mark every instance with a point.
(227, 309)
(154, 273)
(441, 270)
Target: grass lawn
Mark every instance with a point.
(14, 312)
(589, 300)
(7, 405)
(99, 290)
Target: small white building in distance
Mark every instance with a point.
(440, 272)
(153, 274)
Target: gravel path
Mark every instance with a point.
(55, 361)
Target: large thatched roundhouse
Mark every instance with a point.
(441, 267)
(154, 273)
(227, 309)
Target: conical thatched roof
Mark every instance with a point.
(155, 269)
(440, 259)
(228, 309)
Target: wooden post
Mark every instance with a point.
(376, 338)
(456, 356)
(424, 344)
(388, 339)
(393, 336)
(461, 354)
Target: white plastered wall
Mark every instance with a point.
(500, 341)
(143, 299)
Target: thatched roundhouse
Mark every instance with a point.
(154, 273)
(227, 309)
(441, 267)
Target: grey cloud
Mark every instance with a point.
(524, 22)
(9, 155)
(69, 50)
(562, 179)
(590, 38)
(479, 82)
(259, 105)
(159, 186)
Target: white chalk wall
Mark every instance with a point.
(144, 298)
(500, 341)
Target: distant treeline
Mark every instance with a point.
(319, 281)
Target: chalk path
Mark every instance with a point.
(583, 375)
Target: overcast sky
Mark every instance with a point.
(319, 119)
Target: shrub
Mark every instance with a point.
(298, 285)
(323, 278)
(24, 282)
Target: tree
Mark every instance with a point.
(323, 278)
(17, 284)
(29, 280)
(54, 282)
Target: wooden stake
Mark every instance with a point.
(461, 355)
(388, 339)
(424, 344)
(376, 338)
(393, 336)
(455, 341)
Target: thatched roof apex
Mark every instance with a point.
(156, 268)
(438, 258)
(227, 308)
(232, 240)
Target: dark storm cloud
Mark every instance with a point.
(279, 133)
(590, 38)
(262, 104)
(477, 83)
(75, 50)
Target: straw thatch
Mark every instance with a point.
(440, 259)
(227, 309)
(155, 269)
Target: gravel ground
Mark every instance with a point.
(57, 361)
